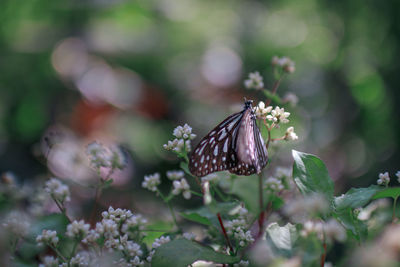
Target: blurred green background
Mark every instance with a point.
(130, 71)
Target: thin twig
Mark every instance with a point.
(228, 242)
(274, 89)
(323, 256)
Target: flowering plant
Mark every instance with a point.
(290, 217)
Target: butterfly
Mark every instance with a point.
(235, 144)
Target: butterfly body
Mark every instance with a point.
(235, 144)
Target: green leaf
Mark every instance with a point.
(56, 221)
(392, 192)
(156, 230)
(356, 197)
(357, 228)
(196, 217)
(207, 214)
(310, 175)
(282, 238)
(274, 97)
(182, 252)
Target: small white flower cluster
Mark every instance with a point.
(284, 62)
(273, 184)
(117, 227)
(157, 243)
(290, 135)
(57, 190)
(291, 98)
(182, 186)
(102, 156)
(117, 215)
(237, 228)
(17, 223)
(301, 209)
(282, 172)
(262, 111)
(49, 261)
(254, 81)
(182, 142)
(78, 229)
(151, 182)
(189, 236)
(331, 230)
(80, 259)
(384, 179)
(48, 237)
(365, 213)
(175, 174)
(278, 115)
(134, 225)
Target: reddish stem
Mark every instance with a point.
(323, 256)
(274, 89)
(224, 232)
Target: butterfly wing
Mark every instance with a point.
(215, 152)
(251, 153)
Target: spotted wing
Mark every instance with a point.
(251, 153)
(215, 152)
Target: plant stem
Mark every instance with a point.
(274, 89)
(394, 209)
(172, 213)
(61, 208)
(323, 256)
(58, 252)
(261, 203)
(228, 242)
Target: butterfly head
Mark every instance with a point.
(248, 103)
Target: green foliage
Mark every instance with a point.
(393, 192)
(282, 238)
(310, 175)
(356, 197)
(182, 252)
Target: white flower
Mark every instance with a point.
(384, 179)
(285, 63)
(117, 215)
(278, 115)
(49, 261)
(398, 176)
(182, 186)
(160, 241)
(262, 110)
(291, 98)
(175, 175)
(300, 209)
(334, 230)
(273, 184)
(101, 156)
(57, 190)
(189, 236)
(108, 228)
(282, 172)
(17, 223)
(176, 145)
(236, 227)
(255, 81)
(151, 182)
(81, 259)
(310, 227)
(290, 135)
(134, 225)
(47, 237)
(78, 229)
(207, 199)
